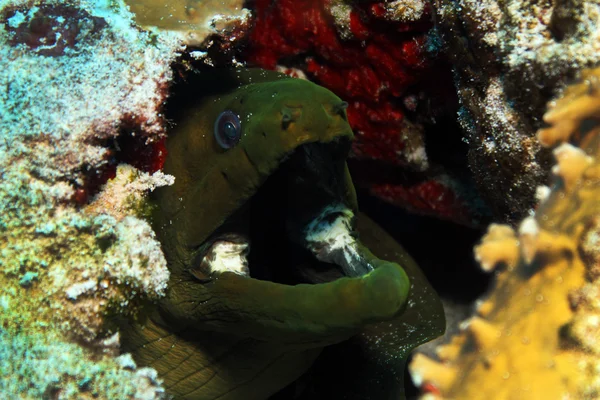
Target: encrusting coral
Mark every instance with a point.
(510, 58)
(76, 75)
(537, 334)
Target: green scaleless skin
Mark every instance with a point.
(234, 337)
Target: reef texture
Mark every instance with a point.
(76, 77)
(510, 58)
(197, 23)
(536, 336)
(377, 56)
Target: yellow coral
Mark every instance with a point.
(194, 20)
(537, 335)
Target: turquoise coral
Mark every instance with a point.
(63, 268)
(41, 365)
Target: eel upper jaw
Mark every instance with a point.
(308, 188)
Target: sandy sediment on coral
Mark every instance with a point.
(75, 75)
(536, 335)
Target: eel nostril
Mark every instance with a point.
(339, 108)
(286, 119)
(289, 115)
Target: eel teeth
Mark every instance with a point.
(226, 256)
(329, 237)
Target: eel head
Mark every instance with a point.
(259, 232)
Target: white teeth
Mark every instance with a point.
(336, 233)
(331, 240)
(226, 256)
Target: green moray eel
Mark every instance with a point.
(259, 231)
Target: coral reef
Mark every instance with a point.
(536, 335)
(64, 370)
(377, 56)
(509, 59)
(125, 193)
(195, 22)
(77, 76)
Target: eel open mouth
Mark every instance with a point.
(258, 228)
(259, 233)
(298, 218)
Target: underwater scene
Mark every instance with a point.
(300, 199)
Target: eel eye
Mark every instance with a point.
(228, 129)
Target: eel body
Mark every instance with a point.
(267, 262)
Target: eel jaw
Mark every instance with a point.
(307, 195)
(329, 237)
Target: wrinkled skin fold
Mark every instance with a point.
(221, 334)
